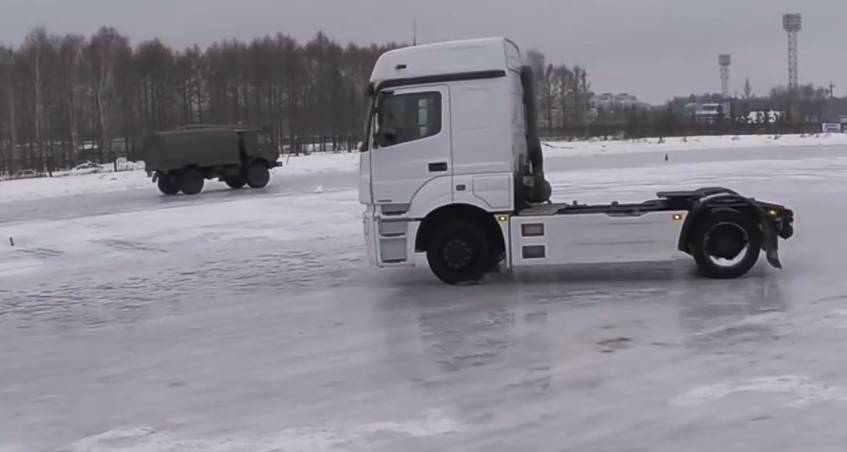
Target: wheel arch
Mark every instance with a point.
(253, 159)
(452, 212)
(728, 203)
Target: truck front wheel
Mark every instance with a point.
(726, 245)
(192, 181)
(167, 184)
(459, 252)
(258, 175)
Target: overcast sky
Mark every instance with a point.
(651, 48)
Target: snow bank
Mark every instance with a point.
(45, 187)
(104, 179)
(74, 183)
(319, 163)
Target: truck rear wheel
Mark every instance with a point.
(726, 245)
(459, 252)
(235, 182)
(167, 184)
(192, 181)
(258, 175)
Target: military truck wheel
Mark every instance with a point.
(167, 184)
(258, 175)
(192, 181)
(235, 182)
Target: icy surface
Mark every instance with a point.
(86, 181)
(599, 146)
(249, 321)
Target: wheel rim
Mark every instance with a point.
(726, 244)
(458, 254)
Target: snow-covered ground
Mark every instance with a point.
(80, 182)
(249, 321)
(599, 146)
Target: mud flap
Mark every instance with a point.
(770, 241)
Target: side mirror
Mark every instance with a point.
(380, 139)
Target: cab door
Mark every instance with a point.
(411, 146)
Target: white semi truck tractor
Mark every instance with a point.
(452, 171)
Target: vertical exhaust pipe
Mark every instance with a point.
(538, 188)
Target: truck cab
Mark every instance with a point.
(452, 169)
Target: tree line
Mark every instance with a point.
(69, 98)
(563, 95)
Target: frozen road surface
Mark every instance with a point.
(250, 322)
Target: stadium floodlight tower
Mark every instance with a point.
(792, 24)
(725, 60)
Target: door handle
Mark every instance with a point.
(437, 167)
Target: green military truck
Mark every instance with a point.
(181, 160)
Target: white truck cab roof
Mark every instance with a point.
(450, 57)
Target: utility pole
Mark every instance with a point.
(414, 32)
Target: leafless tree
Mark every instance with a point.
(748, 89)
(7, 108)
(72, 54)
(108, 55)
(81, 96)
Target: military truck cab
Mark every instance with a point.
(181, 160)
(452, 172)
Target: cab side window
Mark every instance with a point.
(409, 117)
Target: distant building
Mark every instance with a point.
(613, 102)
(707, 113)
